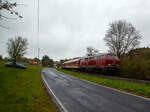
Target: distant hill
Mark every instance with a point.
(140, 52)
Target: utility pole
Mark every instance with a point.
(38, 33)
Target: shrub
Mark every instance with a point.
(1, 58)
(135, 68)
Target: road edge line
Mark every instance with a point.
(56, 100)
(110, 88)
(117, 90)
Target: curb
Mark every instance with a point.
(54, 98)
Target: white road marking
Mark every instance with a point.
(57, 100)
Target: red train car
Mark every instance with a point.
(100, 61)
(105, 61)
(71, 64)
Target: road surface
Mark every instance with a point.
(77, 95)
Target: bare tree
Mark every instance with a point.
(7, 5)
(16, 48)
(121, 37)
(91, 51)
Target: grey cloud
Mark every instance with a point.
(67, 27)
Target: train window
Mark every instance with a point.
(86, 59)
(103, 56)
(98, 57)
(92, 58)
(115, 57)
(110, 56)
(95, 57)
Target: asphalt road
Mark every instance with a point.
(77, 95)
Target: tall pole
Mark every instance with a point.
(38, 22)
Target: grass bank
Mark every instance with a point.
(23, 91)
(131, 87)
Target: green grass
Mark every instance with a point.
(23, 91)
(134, 88)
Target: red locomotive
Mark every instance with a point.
(105, 61)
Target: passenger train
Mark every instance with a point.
(103, 61)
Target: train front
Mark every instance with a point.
(112, 62)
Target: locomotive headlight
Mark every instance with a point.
(108, 64)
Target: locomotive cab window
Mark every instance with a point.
(116, 57)
(110, 56)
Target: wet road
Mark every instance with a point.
(77, 95)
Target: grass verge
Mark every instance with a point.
(138, 89)
(23, 91)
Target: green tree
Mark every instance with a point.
(6, 59)
(16, 48)
(1, 57)
(136, 64)
(47, 62)
(36, 59)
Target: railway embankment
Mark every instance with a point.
(113, 76)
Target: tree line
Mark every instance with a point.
(17, 48)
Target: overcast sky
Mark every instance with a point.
(67, 27)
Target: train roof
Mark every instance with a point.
(104, 54)
(99, 54)
(70, 61)
(77, 59)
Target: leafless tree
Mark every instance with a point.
(91, 51)
(16, 48)
(8, 6)
(121, 37)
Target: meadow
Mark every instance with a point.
(23, 91)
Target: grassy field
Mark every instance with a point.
(131, 87)
(23, 91)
